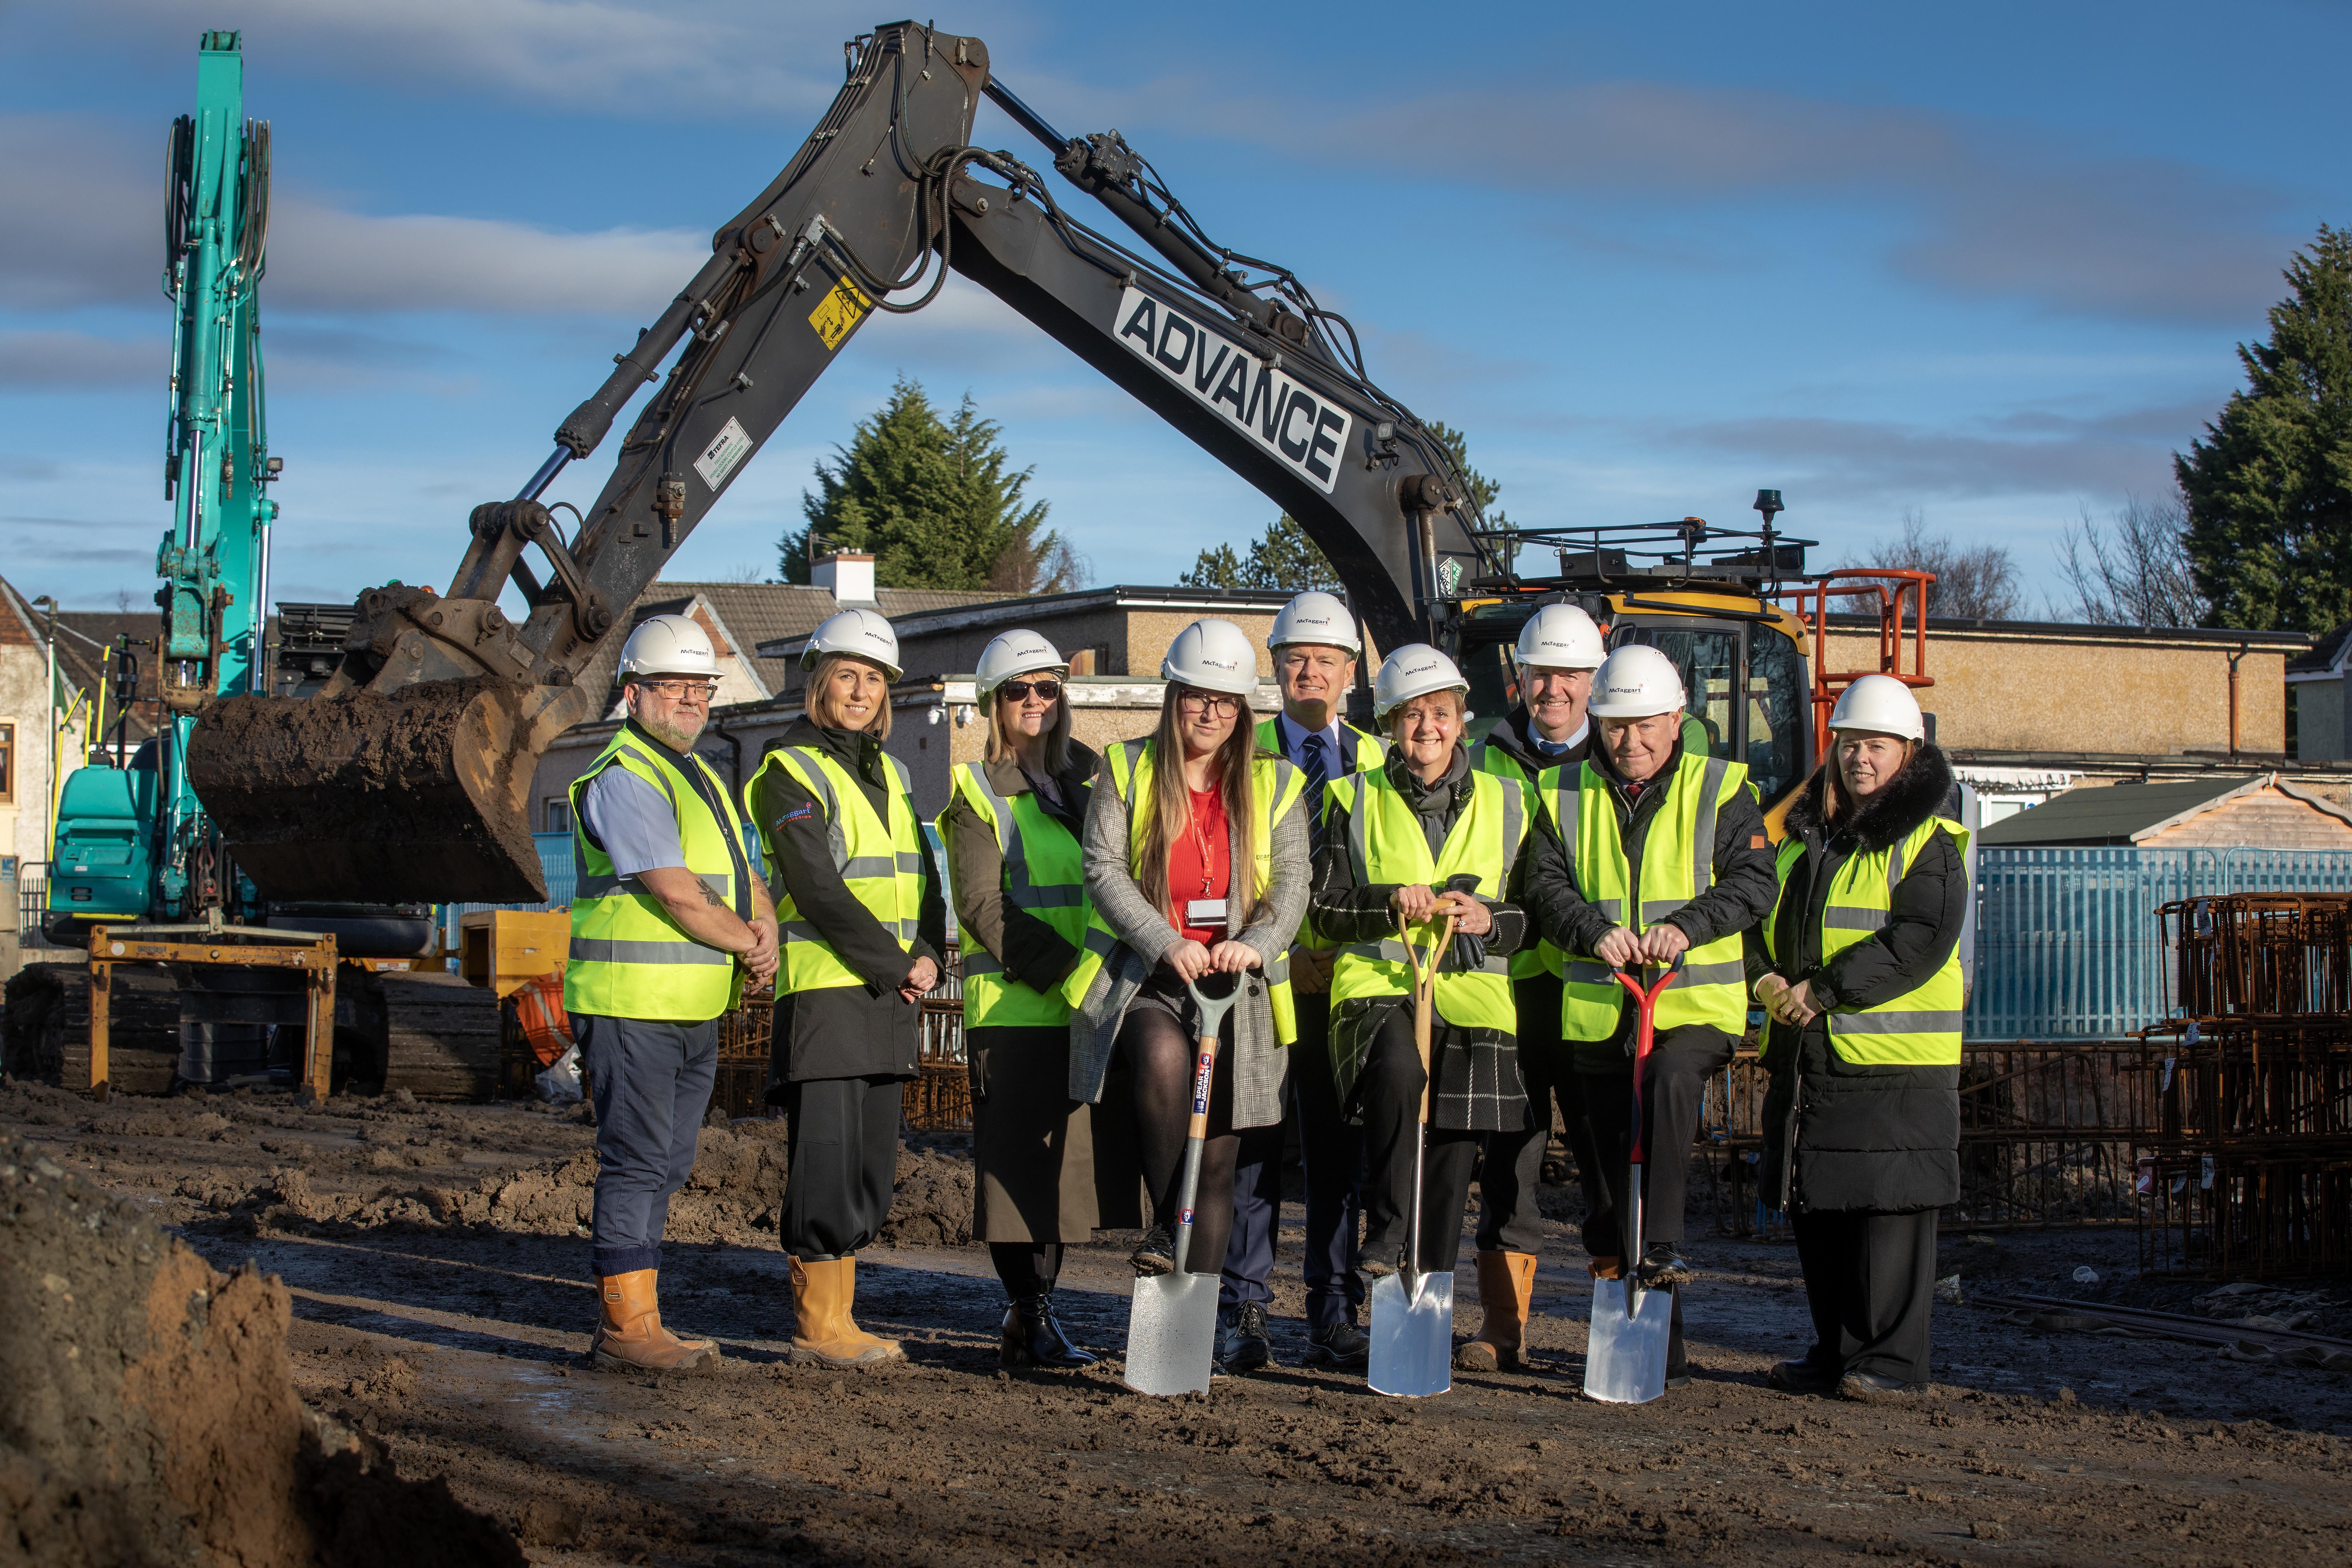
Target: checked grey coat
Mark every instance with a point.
(1260, 1063)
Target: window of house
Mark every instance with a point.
(555, 813)
(8, 763)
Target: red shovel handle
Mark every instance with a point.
(1645, 1000)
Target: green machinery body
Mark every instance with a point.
(134, 842)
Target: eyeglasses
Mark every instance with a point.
(1019, 690)
(1205, 702)
(680, 689)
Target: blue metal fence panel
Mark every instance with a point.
(2067, 944)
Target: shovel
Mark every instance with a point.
(1172, 1323)
(1412, 1312)
(1625, 1355)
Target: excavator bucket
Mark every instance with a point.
(415, 796)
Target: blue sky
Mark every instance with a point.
(1988, 264)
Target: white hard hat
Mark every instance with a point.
(860, 633)
(1016, 653)
(668, 645)
(1315, 617)
(1414, 670)
(1637, 681)
(1560, 637)
(1881, 705)
(1215, 655)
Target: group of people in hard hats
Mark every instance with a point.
(1596, 829)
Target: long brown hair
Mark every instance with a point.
(1170, 809)
(1836, 802)
(816, 701)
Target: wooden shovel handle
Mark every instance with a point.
(1424, 999)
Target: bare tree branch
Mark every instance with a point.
(2134, 570)
(1977, 583)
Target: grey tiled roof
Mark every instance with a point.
(754, 613)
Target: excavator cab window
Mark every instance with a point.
(1483, 655)
(1747, 691)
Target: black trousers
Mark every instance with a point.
(1331, 1157)
(1388, 1097)
(1870, 1279)
(1674, 1089)
(842, 1137)
(1512, 1166)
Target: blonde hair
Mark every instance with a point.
(1836, 802)
(1002, 743)
(818, 701)
(1170, 806)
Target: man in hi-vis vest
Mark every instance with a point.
(668, 923)
(1646, 853)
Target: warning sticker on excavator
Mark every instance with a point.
(725, 452)
(1306, 433)
(838, 311)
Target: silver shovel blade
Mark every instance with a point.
(1413, 1336)
(1625, 1356)
(1172, 1334)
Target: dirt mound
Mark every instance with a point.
(147, 1412)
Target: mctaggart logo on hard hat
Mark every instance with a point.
(1218, 663)
(1411, 671)
(880, 639)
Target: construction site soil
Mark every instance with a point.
(434, 1307)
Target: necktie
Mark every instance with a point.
(1315, 759)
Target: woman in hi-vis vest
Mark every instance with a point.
(1394, 840)
(1859, 966)
(1196, 863)
(1011, 829)
(864, 927)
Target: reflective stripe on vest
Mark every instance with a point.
(1044, 875)
(1920, 1027)
(880, 863)
(1677, 866)
(1542, 957)
(1274, 790)
(1386, 845)
(628, 957)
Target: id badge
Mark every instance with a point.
(1206, 914)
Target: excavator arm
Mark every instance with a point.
(405, 776)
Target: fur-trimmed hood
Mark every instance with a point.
(1916, 793)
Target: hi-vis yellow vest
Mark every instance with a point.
(1538, 957)
(628, 958)
(880, 862)
(1386, 844)
(1919, 1028)
(1045, 876)
(1677, 866)
(1274, 790)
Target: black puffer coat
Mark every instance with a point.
(1837, 1136)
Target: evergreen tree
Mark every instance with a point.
(1484, 491)
(1282, 558)
(934, 501)
(2269, 490)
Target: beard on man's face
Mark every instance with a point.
(678, 732)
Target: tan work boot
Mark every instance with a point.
(629, 1335)
(822, 1332)
(1506, 1289)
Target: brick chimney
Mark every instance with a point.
(848, 577)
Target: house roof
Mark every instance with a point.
(2126, 812)
(2325, 656)
(754, 614)
(1011, 609)
(20, 625)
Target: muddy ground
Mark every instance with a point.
(435, 1257)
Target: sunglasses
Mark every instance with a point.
(1019, 690)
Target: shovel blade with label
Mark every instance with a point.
(1172, 1323)
(1632, 1324)
(1412, 1312)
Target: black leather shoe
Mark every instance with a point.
(1033, 1337)
(1242, 1345)
(1663, 1265)
(1678, 1380)
(1802, 1376)
(1342, 1347)
(1156, 1253)
(1379, 1257)
(1866, 1386)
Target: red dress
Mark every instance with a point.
(1200, 858)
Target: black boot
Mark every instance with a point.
(1033, 1337)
